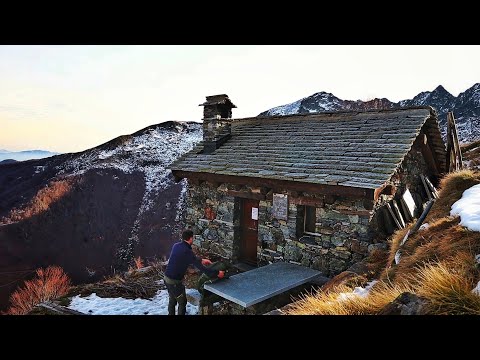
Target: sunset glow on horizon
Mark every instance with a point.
(71, 98)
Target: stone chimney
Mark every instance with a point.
(217, 118)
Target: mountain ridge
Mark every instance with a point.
(466, 107)
(25, 154)
(92, 211)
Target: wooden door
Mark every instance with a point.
(248, 232)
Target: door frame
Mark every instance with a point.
(242, 236)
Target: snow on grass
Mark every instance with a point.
(95, 305)
(468, 208)
(424, 227)
(358, 291)
(476, 290)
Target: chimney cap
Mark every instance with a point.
(217, 100)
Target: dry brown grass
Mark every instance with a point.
(452, 187)
(49, 283)
(376, 262)
(448, 290)
(41, 202)
(442, 240)
(437, 264)
(334, 303)
(471, 153)
(346, 279)
(395, 241)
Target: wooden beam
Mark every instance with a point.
(278, 185)
(302, 200)
(404, 206)
(355, 212)
(386, 189)
(428, 154)
(245, 195)
(58, 309)
(454, 152)
(396, 209)
(193, 181)
(456, 144)
(427, 189)
(431, 187)
(449, 143)
(393, 215)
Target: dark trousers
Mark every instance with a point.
(176, 294)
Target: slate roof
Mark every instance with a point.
(355, 149)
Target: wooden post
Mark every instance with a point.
(398, 213)
(454, 153)
(393, 216)
(432, 188)
(427, 189)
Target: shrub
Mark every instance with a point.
(49, 283)
(139, 263)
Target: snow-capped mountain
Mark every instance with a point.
(92, 212)
(466, 107)
(25, 155)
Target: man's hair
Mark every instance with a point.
(187, 234)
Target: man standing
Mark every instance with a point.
(180, 258)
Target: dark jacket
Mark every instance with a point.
(180, 258)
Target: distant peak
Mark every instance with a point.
(441, 89)
(476, 86)
(322, 93)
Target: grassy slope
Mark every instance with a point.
(437, 263)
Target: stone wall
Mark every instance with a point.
(210, 213)
(341, 237)
(342, 234)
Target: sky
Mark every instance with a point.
(68, 98)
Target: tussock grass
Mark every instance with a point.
(448, 290)
(452, 187)
(346, 279)
(442, 240)
(335, 302)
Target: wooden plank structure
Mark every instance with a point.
(56, 309)
(454, 153)
(394, 217)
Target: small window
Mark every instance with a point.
(310, 219)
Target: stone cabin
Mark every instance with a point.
(311, 188)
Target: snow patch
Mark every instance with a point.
(95, 305)
(424, 227)
(476, 290)
(468, 208)
(358, 291)
(287, 109)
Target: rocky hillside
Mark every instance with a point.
(466, 107)
(91, 212)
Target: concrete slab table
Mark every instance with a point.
(262, 283)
